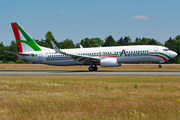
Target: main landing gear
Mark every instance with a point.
(91, 68)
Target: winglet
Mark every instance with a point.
(80, 46)
(56, 48)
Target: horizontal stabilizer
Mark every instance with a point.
(17, 53)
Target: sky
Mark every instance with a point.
(79, 19)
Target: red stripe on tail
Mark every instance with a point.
(17, 36)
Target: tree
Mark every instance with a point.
(49, 38)
(171, 44)
(98, 42)
(143, 41)
(177, 37)
(88, 42)
(78, 45)
(41, 43)
(137, 41)
(67, 44)
(127, 40)
(2, 51)
(12, 48)
(120, 42)
(152, 42)
(109, 41)
(177, 50)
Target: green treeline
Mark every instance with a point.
(172, 44)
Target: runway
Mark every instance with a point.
(50, 72)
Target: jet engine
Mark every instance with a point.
(109, 62)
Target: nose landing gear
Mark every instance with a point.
(159, 65)
(91, 68)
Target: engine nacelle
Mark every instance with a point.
(109, 62)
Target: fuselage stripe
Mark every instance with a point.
(165, 60)
(59, 59)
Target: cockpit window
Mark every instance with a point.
(165, 49)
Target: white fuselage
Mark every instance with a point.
(124, 54)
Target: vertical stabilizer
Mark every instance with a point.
(24, 42)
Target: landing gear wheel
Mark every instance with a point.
(159, 66)
(90, 68)
(95, 68)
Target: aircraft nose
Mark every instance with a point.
(173, 54)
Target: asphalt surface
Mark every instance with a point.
(45, 72)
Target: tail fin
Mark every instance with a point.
(24, 42)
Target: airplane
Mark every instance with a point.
(103, 56)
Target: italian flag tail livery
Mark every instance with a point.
(24, 42)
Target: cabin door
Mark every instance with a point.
(40, 57)
(156, 50)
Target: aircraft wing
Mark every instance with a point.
(79, 58)
(17, 53)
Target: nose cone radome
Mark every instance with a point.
(173, 54)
